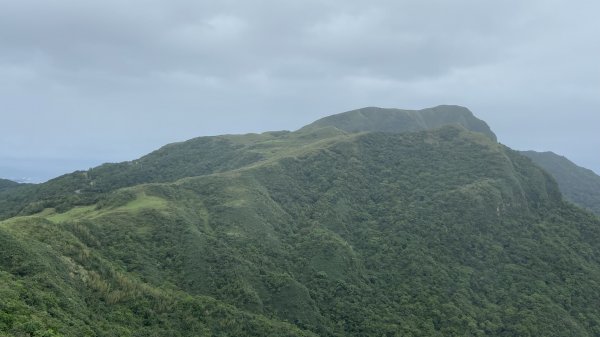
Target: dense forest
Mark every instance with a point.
(436, 230)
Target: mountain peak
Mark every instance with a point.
(392, 120)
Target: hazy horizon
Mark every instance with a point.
(87, 83)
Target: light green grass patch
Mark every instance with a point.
(143, 201)
(75, 213)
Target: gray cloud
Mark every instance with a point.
(85, 82)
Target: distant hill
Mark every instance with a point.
(334, 230)
(7, 184)
(399, 121)
(579, 185)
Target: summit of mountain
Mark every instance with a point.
(213, 154)
(374, 119)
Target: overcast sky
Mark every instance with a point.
(87, 82)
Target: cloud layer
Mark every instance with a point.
(85, 82)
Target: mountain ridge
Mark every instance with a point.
(578, 184)
(6, 184)
(317, 232)
(204, 155)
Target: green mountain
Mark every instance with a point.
(206, 155)
(7, 184)
(578, 185)
(318, 232)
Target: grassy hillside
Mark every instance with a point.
(579, 185)
(321, 233)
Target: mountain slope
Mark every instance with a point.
(579, 185)
(7, 184)
(432, 233)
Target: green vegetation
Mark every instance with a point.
(318, 232)
(579, 185)
(7, 184)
